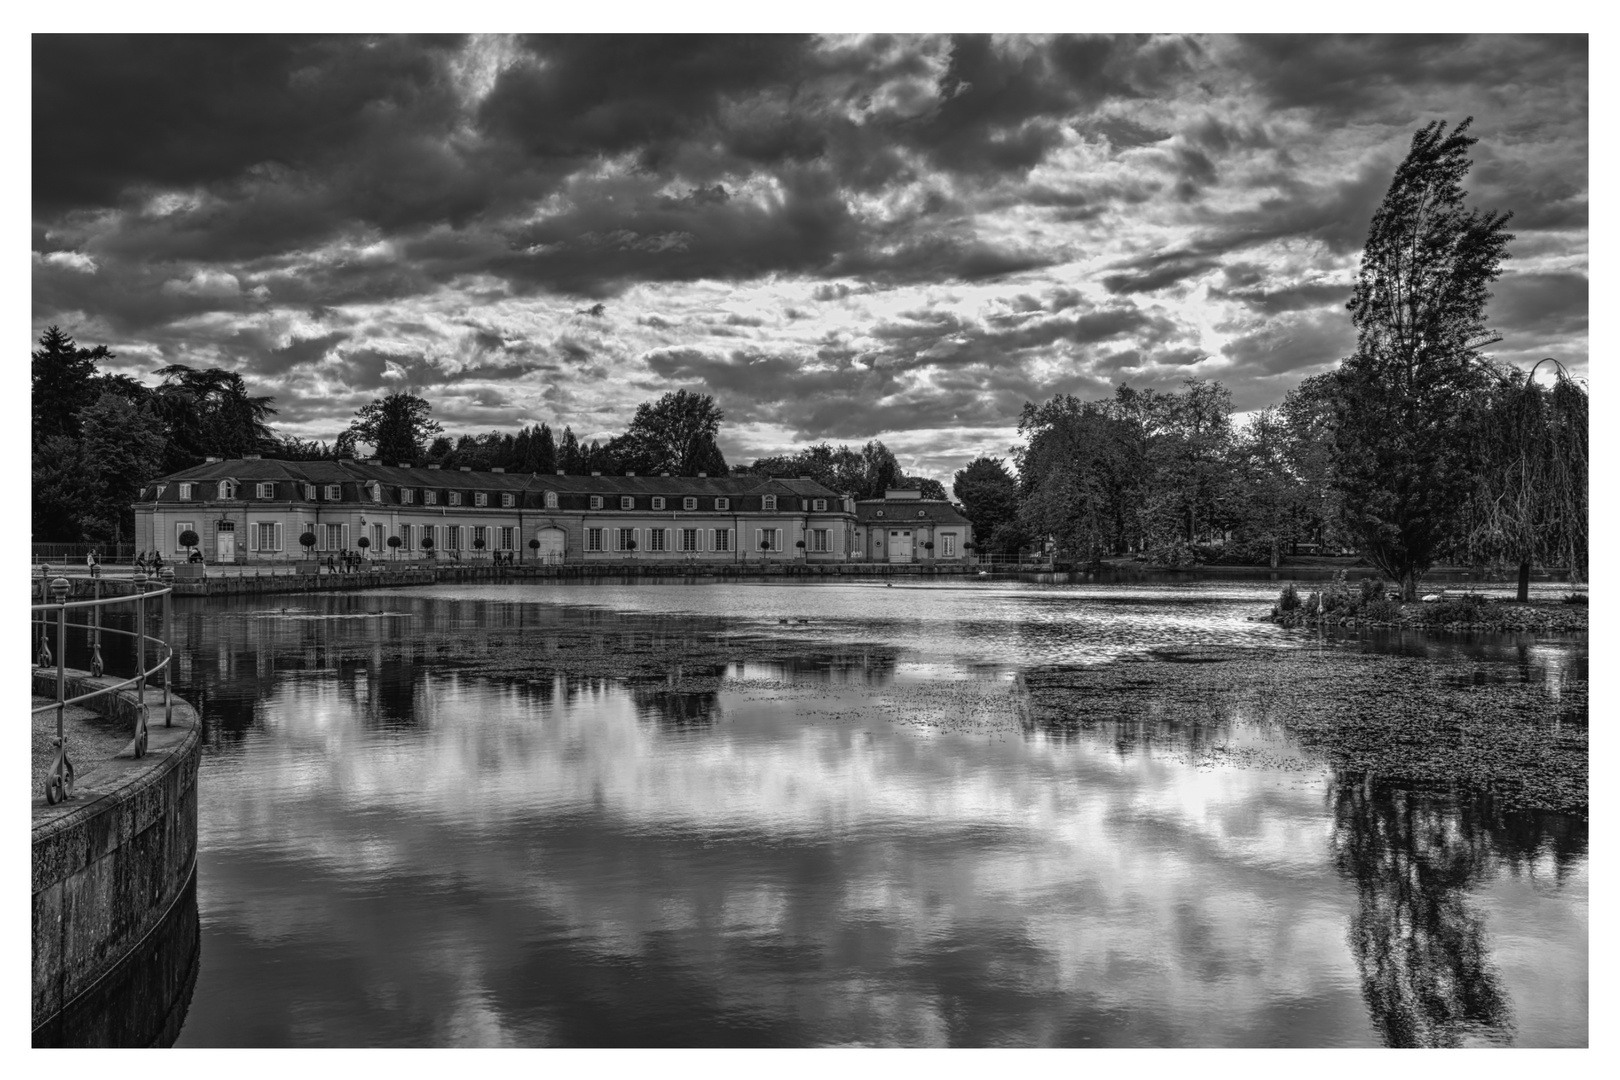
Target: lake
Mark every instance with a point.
(791, 815)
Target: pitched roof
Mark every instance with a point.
(935, 510)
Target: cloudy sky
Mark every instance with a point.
(840, 238)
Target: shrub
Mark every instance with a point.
(1470, 607)
(1287, 600)
(1382, 609)
(1313, 603)
(1371, 589)
(1338, 596)
(1577, 598)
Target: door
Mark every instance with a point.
(900, 545)
(225, 542)
(552, 544)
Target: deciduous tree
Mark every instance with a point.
(397, 425)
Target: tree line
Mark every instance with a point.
(1417, 448)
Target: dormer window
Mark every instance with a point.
(267, 491)
(596, 502)
(455, 498)
(689, 503)
(227, 490)
(722, 504)
(658, 502)
(770, 502)
(185, 492)
(819, 504)
(309, 492)
(880, 513)
(430, 498)
(922, 513)
(407, 495)
(480, 498)
(626, 502)
(376, 491)
(551, 500)
(334, 492)
(506, 498)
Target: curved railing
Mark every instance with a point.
(52, 614)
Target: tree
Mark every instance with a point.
(675, 434)
(988, 494)
(307, 542)
(362, 543)
(427, 545)
(394, 543)
(210, 414)
(927, 485)
(188, 539)
(568, 455)
(122, 449)
(1529, 504)
(1065, 468)
(397, 426)
(1409, 398)
(63, 384)
(1269, 511)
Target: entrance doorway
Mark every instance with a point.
(899, 545)
(553, 542)
(225, 542)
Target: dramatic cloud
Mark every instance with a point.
(845, 238)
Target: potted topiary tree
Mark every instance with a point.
(928, 546)
(630, 546)
(363, 544)
(188, 569)
(534, 548)
(478, 544)
(427, 546)
(765, 548)
(309, 564)
(393, 547)
(800, 545)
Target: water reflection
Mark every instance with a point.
(839, 839)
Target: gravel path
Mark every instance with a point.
(91, 740)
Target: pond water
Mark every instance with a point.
(820, 815)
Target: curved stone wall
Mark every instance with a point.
(110, 863)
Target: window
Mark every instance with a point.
(376, 491)
(185, 492)
(768, 539)
(689, 539)
(481, 498)
(227, 490)
(922, 513)
(508, 537)
(407, 495)
(405, 537)
(770, 502)
(452, 537)
(819, 504)
(722, 504)
(658, 502)
(480, 536)
(655, 539)
(596, 502)
(722, 539)
(626, 538)
(377, 540)
(689, 503)
(455, 498)
(947, 542)
(180, 527)
(506, 498)
(880, 513)
(309, 492)
(334, 491)
(626, 502)
(551, 500)
(430, 498)
(262, 536)
(818, 539)
(335, 538)
(593, 539)
(267, 491)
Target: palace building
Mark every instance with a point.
(253, 510)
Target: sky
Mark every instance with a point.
(840, 238)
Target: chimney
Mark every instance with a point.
(704, 475)
(433, 466)
(498, 468)
(466, 468)
(596, 472)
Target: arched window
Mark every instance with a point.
(227, 490)
(551, 500)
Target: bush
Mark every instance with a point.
(1313, 603)
(1175, 553)
(1339, 597)
(1577, 598)
(1383, 609)
(1371, 589)
(1287, 600)
(1470, 607)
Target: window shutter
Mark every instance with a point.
(253, 536)
(276, 538)
(712, 541)
(344, 543)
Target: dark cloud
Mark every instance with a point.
(1537, 308)
(1150, 273)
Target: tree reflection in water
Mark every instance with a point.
(1422, 950)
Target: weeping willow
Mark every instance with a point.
(1529, 503)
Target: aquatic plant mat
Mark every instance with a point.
(1479, 728)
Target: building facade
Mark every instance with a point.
(254, 511)
(904, 527)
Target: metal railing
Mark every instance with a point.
(52, 611)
